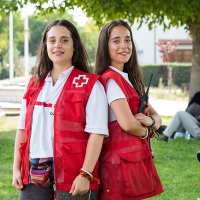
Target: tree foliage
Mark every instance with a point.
(89, 34)
(37, 24)
(168, 13)
(153, 12)
(18, 36)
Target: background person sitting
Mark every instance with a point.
(185, 120)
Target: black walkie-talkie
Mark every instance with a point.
(145, 98)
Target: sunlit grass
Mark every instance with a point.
(7, 136)
(175, 161)
(166, 119)
(178, 168)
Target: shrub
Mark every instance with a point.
(4, 72)
(180, 73)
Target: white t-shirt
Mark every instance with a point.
(41, 143)
(115, 92)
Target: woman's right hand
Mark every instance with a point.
(17, 180)
(81, 185)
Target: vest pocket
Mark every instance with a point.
(22, 152)
(73, 155)
(22, 149)
(75, 97)
(76, 103)
(136, 173)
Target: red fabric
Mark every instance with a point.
(126, 168)
(43, 104)
(70, 140)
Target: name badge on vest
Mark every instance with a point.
(80, 80)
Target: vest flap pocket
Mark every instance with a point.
(73, 154)
(74, 97)
(22, 147)
(75, 147)
(135, 156)
(136, 172)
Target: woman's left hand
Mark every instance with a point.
(80, 186)
(143, 119)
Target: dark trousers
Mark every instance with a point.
(90, 195)
(33, 192)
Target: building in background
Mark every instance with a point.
(183, 51)
(147, 49)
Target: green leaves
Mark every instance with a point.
(18, 28)
(175, 12)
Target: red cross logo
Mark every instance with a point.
(80, 80)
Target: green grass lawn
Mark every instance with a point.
(7, 136)
(178, 168)
(175, 161)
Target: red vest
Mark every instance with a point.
(126, 167)
(70, 140)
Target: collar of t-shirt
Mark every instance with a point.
(124, 74)
(64, 75)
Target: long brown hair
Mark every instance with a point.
(103, 60)
(80, 57)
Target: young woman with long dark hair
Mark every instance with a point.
(126, 168)
(60, 134)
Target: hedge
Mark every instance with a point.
(180, 73)
(4, 72)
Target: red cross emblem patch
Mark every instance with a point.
(80, 80)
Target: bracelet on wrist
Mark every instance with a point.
(151, 131)
(153, 121)
(145, 135)
(88, 175)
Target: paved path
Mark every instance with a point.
(163, 107)
(167, 107)
(10, 108)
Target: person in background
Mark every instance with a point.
(185, 120)
(60, 136)
(127, 170)
(198, 157)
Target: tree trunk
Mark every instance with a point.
(195, 70)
